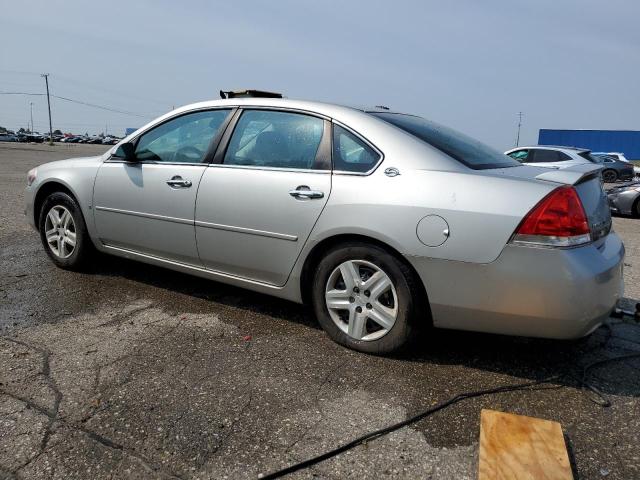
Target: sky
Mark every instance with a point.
(469, 64)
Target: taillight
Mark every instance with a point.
(558, 220)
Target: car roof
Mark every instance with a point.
(552, 147)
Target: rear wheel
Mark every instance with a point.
(365, 299)
(609, 176)
(63, 232)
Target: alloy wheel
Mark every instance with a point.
(60, 231)
(362, 300)
(609, 176)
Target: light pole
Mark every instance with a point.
(46, 80)
(31, 107)
(519, 125)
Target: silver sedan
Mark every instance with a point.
(383, 222)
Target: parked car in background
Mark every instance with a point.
(625, 199)
(5, 137)
(614, 169)
(109, 140)
(621, 157)
(552, 156)
(384, 222)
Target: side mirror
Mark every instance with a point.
(126, 151)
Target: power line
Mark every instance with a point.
(67, 99)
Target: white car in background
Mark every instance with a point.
(552, 156)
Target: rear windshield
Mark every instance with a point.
(472, 153)
(593, 158)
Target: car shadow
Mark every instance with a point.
(520, 357)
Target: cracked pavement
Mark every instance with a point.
(132, 371)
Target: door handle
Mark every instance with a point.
(304, 192)
(178, 182)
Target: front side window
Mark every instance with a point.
(520, 155)
(274, 139)
(184, 139)
(350, 154)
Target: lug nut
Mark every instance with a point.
(369, 306)
(367, 293)
(356, 289)
(351, 299)
(359, 309)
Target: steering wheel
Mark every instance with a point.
(189, 153)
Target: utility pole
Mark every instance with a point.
(46, 80)
(519, 125)
(31, 105)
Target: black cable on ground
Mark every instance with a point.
(601, 400)
(408, 421)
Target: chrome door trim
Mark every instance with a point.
(249, 231)
(154, 216)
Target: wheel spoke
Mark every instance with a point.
(380, 285)
(337, 299)
(53, 218)
(357, 324)
(52, 237)
(383, 316)
(70, 239)
(350, 275)
(65, 218)
(60, 247)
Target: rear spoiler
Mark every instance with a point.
(571, 175)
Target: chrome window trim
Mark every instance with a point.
(250, 231)
(275, 169)
(363, 139)
(113, 159)
(284, 109)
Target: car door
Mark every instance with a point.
(259, 201)
(147, 205)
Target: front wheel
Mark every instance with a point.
(63, 232)
(365, 298)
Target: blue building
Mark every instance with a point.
(624, 141)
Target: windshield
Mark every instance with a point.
(470, 152)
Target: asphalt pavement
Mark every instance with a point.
(132, 371)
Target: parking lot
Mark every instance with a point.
(132, 371)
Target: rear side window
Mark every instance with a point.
(267, 138)
(520, 155)
(543, 156)
(350, 154)
(466, 150)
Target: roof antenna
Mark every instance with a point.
(223, 95)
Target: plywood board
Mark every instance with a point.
(523, 448)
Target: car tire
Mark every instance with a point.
(610, 176)
(402, 297)
(636, 208)
(63, 232)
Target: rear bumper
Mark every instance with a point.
(526, 291)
